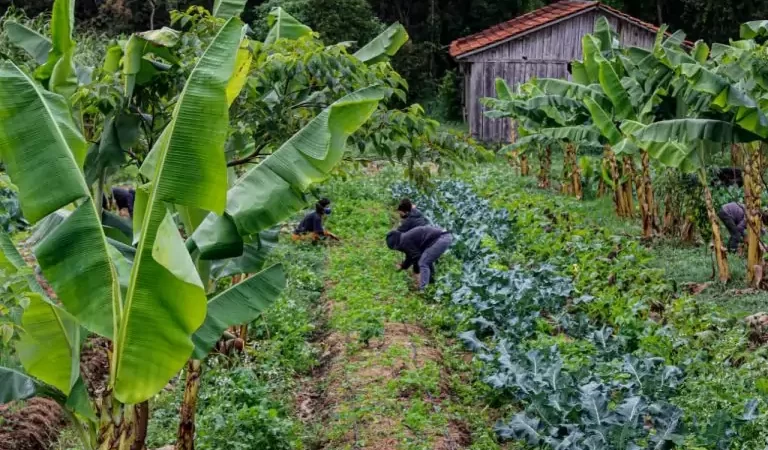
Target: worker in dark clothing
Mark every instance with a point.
(411, 216)
(123, 198)
(312, 224)
(734, 217)
(422, 247)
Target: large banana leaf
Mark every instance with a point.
(606, 36)
(284, 26)
(754, 29)
(611, 84)
(591, 49)
(503, 91)
(273, 190)
(554, 86)
(242, 303)
(32, 42)
(383, 46)
(62, 26)
(603, 121)
(15, 386)
(49, 348)
(225, 9)
(691, 130)
(578, 135)
(728, 97)
(41, 147)
(253, 258)
(165, 300)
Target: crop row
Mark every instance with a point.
(577, 364)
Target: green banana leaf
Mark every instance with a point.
(284, 26)
(693, 130)
(591, 49)
(554, 86)
(579, 73)
(165, 293)
(253, 258)
(62, 26)
(578, 135)
(273, 190)
(700, 52)
(603, 121)
(612, 87)
(32, 42)
(15, 386)
(727, 97)
(606, 36)
(225, 9)
(383, 46)
(503, 91)
(240, 304)
(40, 146)
(49, 348)
(135, 66)
(754, 29)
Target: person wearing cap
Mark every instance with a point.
(411, 217)
(422, 247)
(312, 223)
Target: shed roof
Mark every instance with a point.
(534, 20)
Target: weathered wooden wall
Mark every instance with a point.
(542, 54)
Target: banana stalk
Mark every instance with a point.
(752, 191)
(720, 256)
(575, 173)
(629, 170)
(524, 169)
(546, 164)
(618, 195)
(645, 196)
(186, 436)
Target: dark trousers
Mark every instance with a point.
(428, 258)
(734, 230)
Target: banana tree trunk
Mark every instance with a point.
(721, 257)
(737, 156)
(186, 435)
(122, 427)
(629, 175)
(618, 196)
(567, 188)
(645, 196)
(575, 173)
(752, 192)
(546, 164)
(524, 169)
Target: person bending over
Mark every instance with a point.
(411, 217)
(422, 247)
(312, 223)
(734, 217)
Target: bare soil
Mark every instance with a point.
(32, 425)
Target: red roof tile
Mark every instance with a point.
(535, 19)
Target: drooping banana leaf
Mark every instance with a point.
(578, 135)
(273, 190)
(240, 304)
(692, 130)
(225, 9)
(165, 293)
(40, 146)
(32, 42)
(49, 348)
(284, 26)
(15, 385)
(383, 46)
(726, 96)
(554, 86)
(62, 26)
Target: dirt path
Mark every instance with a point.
(388, 379)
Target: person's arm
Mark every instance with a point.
(405, 225)
(410, 260)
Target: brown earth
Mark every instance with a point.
(31, 425)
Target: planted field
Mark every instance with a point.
(196, 241)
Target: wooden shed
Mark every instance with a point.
(538, 44)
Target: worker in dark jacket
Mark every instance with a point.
(422, 247)
(411, 216)
(312, 224)
(123, 198)
(734, 217)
